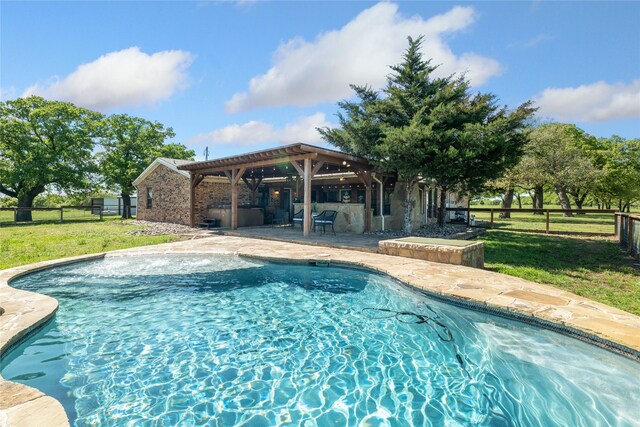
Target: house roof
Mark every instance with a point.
(275, 162)
(166, 162)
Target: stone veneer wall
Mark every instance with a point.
(170, 197)
(395, 221)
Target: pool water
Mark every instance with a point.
(202, 340)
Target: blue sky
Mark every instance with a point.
(242, 76)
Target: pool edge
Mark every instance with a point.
(220, 245)
(27, 312)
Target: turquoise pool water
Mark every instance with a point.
(177, 340)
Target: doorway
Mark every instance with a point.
(286, 203)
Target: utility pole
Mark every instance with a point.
(206, 153)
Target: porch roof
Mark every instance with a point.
(275, 162)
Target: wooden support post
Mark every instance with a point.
(307, 198)
(547, 221)
(367, 180)
(61, 215)
(15, 216)
(234, 200)
(235, 175)
(367, 207)
(491, 223)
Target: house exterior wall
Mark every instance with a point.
(171, 200)
(213, 192)
(170, 197)
(395, 221)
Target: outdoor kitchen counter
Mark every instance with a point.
(247, 217)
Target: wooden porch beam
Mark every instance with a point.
(317, 168)
(258, 163)
(198, 179)
(298, 168)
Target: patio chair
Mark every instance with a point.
(279, 218)
(325, 218)
(298, 218)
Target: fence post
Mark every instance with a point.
(491, 224)
(547, 221)
(615, 225)
(15, 215)
(61, 215)
(630, 238)
(100, 213)
(468, 214)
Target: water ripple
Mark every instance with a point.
(177, 340)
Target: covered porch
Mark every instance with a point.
(294, 178)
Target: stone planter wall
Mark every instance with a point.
(457, 252)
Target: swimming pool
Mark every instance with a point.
(200, 339)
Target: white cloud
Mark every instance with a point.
(126, 78)
(532, 42)
(307, 73)
(7, 93)
(596, 102)
(257, 132)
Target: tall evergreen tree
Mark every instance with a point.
(433, 128)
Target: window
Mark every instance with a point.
(149, 197)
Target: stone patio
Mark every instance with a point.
(528, 301)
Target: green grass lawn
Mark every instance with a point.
(27, 243)
(593, 267)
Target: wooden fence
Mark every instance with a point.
(95, 210)
(467, 214)
(628, 232)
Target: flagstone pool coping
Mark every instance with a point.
(477, 289)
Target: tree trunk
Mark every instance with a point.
(126, 205)
(519, 199)
(538, 199)
(579, 200)
(408, 206)
(25, 200)
(442, 211)
(507, 201)
(564, 199)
